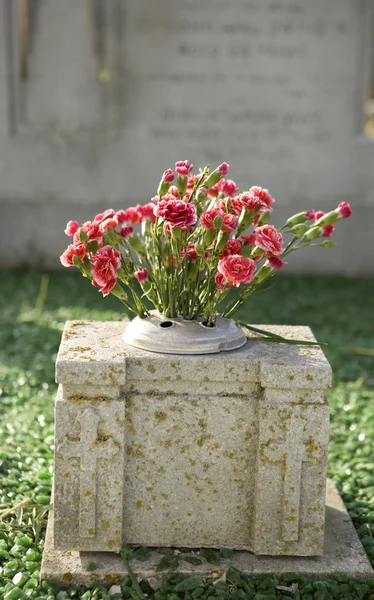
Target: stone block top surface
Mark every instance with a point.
(93, 352)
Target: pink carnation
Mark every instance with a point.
(66, 257)
(310, 214)
(126, 231)
(237, 269)
(230, 222)
(107, 214)
(146, 211)
(183, 167)
(131, 215)
(269, 239)
(109, 223)
(176, 212)
(92, 230)
(173, 193)
(208, 217)
(249, 201)
(168, 176)
(141, 275)
(191, 181)
(318, 215)
(121, 216)
(233, 246)
(275, 262)
(223, 169)
(227, 187)
(107, 261)
(248, 240)
(71, 228)
(263, 195)
(235, 205)
(221, 281)
(345, 210)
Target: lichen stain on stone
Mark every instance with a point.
(308, 377)
(139, 504)
(204, 438)
(165, 443)
(160, 415)
(151, 368)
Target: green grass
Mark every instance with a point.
(340, 312)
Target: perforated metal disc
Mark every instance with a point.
(177, 336)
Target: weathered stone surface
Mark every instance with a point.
(343, 554)
(216, 450)
(88, 482)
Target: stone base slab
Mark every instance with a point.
(343, 554)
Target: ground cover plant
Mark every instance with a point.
(33, 308)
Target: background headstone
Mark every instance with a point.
(95, 103)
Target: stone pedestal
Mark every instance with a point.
(191, 451)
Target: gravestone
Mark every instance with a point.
(228, 449)
(193, 451)
(278, 88)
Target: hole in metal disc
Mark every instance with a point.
(166, 324)
(205, 324)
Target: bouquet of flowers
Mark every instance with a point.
(198, 249)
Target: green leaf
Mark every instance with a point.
(142, 554)
(126, 553)
(226, 552)
(93, 246)
(168, 561)
(83, 236)
(210, 556)
(190, 583)
(193, 560)
(273, 337)
(77, 261)
(234, 576)
(91, 566)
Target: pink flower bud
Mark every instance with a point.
(319, 214)
(71, 228)
(141, 275)
(168, 176)
(275, 262)
(221, 281)
(223, 169)
(126, 231)
(310, 214)
(201, 194)
(345, 210)
(327, 230)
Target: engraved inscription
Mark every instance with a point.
(89, 449)
(268, 83)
